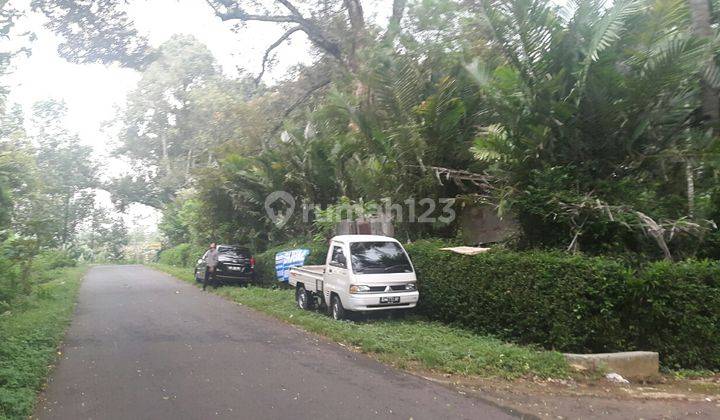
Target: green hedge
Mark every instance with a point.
(576, 303)
(676, 309)
(563, 302)
(183, 255)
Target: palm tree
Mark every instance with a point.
(610, 92)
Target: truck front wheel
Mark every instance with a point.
(336, 308)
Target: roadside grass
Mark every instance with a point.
(30, 333)
(410, 343)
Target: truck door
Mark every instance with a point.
(337, 274)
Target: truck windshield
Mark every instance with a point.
(378, 257)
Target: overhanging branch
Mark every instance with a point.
(314, 32)
(234, 12)
(274, 45)
(299, 102)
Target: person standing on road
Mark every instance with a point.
(211, 262)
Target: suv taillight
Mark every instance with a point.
(252, 262)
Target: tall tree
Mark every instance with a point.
(103, 235)
(17, 165)
(67, 172)
(177, 119)
(160, 129)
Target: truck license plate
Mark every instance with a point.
(234, 268)
(390, 299)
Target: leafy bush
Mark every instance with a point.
(9, 274)
(52, 259)
(576, 303)
(183, 255)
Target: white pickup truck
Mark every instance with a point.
(361, 273)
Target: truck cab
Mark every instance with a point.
(361, 273)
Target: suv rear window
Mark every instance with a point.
(378, 257)
(234, 251)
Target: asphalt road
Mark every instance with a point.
(144, 345)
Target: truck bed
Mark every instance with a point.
(310, 275)
(311, 269)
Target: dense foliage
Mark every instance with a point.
(183, 255)
(49, 215)
(589, 124)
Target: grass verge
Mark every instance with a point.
(29, 337)
(410, 343)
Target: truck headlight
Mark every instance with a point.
(410, 286)
(359, 288)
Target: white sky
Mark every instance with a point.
(95, 93)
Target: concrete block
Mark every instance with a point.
(635, 365)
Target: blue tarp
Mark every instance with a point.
(288, 259)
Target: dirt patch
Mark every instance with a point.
(590, 397)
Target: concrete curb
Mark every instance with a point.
(636, 365)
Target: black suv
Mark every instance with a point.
(235, 265)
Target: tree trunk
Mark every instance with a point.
(188, 164)
(26, 285)
(357, 25)
(690, 179)
(701, 17)
(66, 218)
(165, 155)
(357, 43)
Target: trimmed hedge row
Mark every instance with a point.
(676, 311)
(564, 302)
(576, 303)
